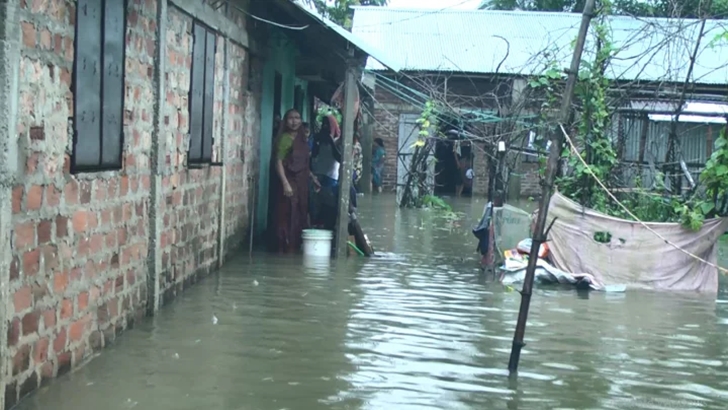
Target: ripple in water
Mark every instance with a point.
(415, 328)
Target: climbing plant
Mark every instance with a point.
(714, 180)
(547, 87)
(425, 122)
(592, 137)
(593, 141)
(416, 192)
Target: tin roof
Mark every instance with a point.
(478, 41)
(360, 43)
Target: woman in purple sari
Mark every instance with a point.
(291, 174)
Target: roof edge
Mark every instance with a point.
(352, 38)
(426, 11)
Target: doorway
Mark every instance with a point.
(298, 99)
(277, 101)
(447, 174)
(407, 136)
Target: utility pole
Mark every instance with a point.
(345, 173)
(552, 166)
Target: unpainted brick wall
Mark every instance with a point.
(387, 110)
(467, 92)
(80, 243)
(480, 169)
(530, 179)
(191, 207)
(243, 114)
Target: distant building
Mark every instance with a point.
(478, 60)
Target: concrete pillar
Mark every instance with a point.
(9, 71)
(223, 151)
(158, 161)
(342, 225)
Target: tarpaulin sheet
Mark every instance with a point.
(634, 256)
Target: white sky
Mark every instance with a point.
(435, 4)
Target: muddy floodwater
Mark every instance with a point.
(419, 329)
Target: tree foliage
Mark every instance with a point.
(592, 138)
(340, 11)
(643, 8)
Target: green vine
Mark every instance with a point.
(714, 178)
(592, 138)
(595, 145)
(416, 190)
(427, 120)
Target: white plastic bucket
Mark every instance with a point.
(316, 265)
(317, 242)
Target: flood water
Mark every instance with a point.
(420, 329)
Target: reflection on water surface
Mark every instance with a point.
(417, 329)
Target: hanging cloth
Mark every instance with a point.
(338, 99)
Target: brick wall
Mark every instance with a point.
(190, 210)
(83, 245)
(530, 179)
(480, 181)
(387, 110)
(241, 165)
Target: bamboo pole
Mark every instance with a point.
(557, 141)
(345, 172)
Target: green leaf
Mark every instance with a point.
(707, 207)
(721, 170)
(553, 74)
(418, 143)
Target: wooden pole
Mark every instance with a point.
(346, 168)
(499, 191)
(557, 141)
(366, 140)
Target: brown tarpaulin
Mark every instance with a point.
(634, 257)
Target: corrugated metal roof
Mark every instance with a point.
(477, 41)
(357, 41)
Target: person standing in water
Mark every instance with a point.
(291, 165)
(464, 173)
(325, 162)
(378, 155)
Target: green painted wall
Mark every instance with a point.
(281, 59)
(306, 110)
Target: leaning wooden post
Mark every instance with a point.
(557, 141)
(346, 169)
(366, 141)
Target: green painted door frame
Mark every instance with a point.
(282, 60)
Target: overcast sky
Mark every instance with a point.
(435, 4)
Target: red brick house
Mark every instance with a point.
(131, 144)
